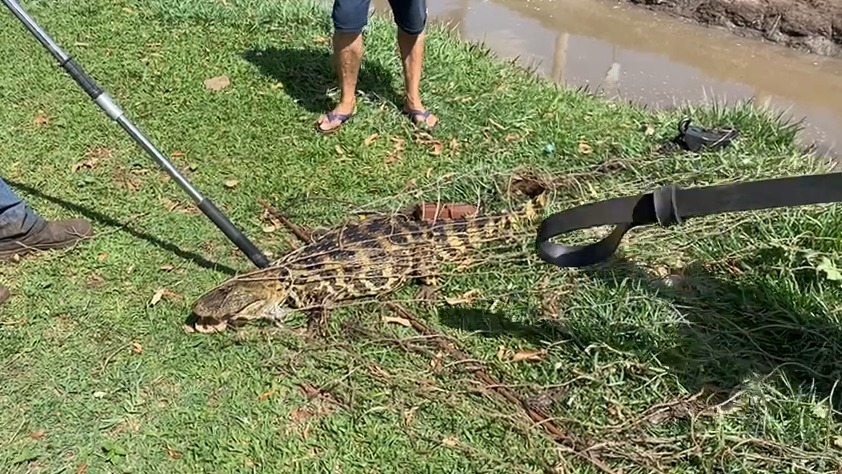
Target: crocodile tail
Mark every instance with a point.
(475, 232)
(527, 216)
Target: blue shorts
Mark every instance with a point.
(351, 16)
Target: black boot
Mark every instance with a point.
(52, 235)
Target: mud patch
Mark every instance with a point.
(813, 26)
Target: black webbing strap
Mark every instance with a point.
(671, 205)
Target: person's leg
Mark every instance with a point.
(16, 217)
(23, 231)
(349, 19)
(411, 20)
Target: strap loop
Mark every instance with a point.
(665, 206)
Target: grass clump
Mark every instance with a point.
(733, 369)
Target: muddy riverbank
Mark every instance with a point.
(813, 26)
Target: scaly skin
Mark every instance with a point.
(364, 259)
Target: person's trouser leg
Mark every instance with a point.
(16, 217)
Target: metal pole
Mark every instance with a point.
(113, 111)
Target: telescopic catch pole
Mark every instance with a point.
(102, 99)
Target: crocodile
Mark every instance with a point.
(359, 260)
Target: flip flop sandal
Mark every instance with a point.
(332, 117)
(423, 115)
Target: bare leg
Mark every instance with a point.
(412, 56)
(348, 52)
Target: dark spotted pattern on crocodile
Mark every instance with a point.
(368, 258)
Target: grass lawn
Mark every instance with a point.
(733, 370)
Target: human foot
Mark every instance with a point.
(53, 235)
(333, 120)
(421, 117)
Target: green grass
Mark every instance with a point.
(116, 384)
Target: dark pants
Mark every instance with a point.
(351, 16)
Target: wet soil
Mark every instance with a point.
(813, 26)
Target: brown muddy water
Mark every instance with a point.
(641, 56)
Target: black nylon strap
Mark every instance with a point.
(670, 205)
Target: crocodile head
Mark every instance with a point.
(238, 301)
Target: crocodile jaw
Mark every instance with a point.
(237, 303)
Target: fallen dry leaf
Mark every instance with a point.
(231, 183)
(465, 298)
(169, 204)
(92, 157)
(615, 411)
(649, 130)
(157, 297)
(177, 154)
(409, 415)
(132, 184)
(82, 468)
(450, 441)
(269, 228)
(82, 164)
(94, 281)
(266, 394)
(435, 364)
(299, 414)
(299, 417)
(166, 268)
(41, 119)
(310, 390)
(339, 149)
(392, 158)
(101, 257)
(173, 453)
(528, 356)
(395, 320)
(160, 294)
(411, 183)
(437, 149)
(511, 137)
(137, 348)
(584, 148)
(371, 138)
(501, 352)
(99, 152)
(217, 83)
(37, 434)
